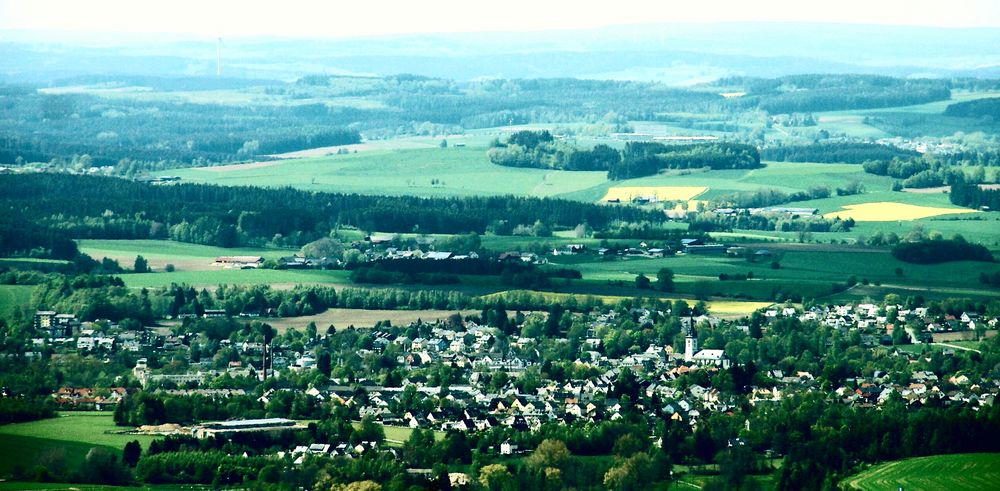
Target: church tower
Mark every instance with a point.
(690, 345)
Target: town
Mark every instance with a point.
(502, 379)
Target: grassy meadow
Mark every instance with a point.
(159, 253)
(454, 171)
(13, 297)
(809, 270)
(65, 439)
(952, 472)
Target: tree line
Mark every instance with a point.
(940, 251)
(831, 92)
(101, 207)
(839, 152)
(542, 150)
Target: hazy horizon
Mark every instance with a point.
(307, 19)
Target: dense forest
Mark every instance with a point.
(840, 152)
(542, 150)
(979, 108)
(102, 207)
(814, 93)
(136, 136)
(973, 195)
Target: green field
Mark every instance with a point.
(66, 438)
(184, 256)
(395, 436)
(951, 472)
(50, 486)
(463, 171)
(13, 297)
(276, 277)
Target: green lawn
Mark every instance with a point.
(951, 472)
(395, 436)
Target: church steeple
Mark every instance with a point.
(690, 343)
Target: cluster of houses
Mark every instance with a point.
(480, 402)
(65, 330)
(88, 398)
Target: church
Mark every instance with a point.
(705, 357)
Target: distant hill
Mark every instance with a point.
(679, 54)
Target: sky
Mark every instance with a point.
(358, 18)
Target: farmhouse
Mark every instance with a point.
(239, 262)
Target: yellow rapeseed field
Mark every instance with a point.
(885, 211)
(661, 193)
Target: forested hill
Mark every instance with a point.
(808, 93)
(981, 108)
(103, 207)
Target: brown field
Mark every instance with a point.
(341, 318)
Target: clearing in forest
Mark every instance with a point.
(659, 193)
(885, 211)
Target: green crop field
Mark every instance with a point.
(66, 438)
(951, 472)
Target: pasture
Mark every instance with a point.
(64, 440)
(952, 472)
(13, 297)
